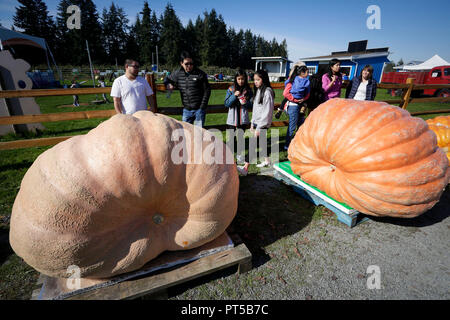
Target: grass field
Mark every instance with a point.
(16, 278)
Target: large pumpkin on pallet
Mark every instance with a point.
(441, 127)
(115, 198)
(375, 157)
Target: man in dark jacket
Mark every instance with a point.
(194, 89)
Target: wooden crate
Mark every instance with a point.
(344, 213)
(153, 280)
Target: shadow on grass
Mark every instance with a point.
(5, 248)
(268, 211)
(16, 166)
(438, 213)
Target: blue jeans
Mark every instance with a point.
(198, 115)
(295, 121)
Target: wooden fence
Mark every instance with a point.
(92, 114)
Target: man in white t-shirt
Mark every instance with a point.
(131, 91)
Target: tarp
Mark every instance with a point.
(434, 61)
(10, 38)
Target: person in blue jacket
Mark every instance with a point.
(363, 87)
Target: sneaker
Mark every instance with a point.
(242, 170)
(263, 164)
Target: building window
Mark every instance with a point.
(345, 70)
(311, 70)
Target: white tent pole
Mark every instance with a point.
(54, 62)
(90, 63)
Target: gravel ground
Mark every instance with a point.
(325, 259)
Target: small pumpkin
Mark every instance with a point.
(440, 120)
(443, 137)
(375, 157)
(113, 199)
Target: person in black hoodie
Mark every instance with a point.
(194, 89)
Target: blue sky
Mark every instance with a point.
(413, 30)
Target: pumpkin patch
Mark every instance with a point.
(374, 157)
(113, 199)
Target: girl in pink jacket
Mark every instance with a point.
(332, 80)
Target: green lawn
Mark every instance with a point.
(16, 278)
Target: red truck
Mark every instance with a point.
(437, 75)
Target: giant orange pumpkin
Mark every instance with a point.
(375, 157)
(113, 199)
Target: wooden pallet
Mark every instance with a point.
(153, 280)
(344, 213)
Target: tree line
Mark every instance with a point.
(112, 39)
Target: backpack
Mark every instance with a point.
(316, 93)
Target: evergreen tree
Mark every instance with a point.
(214, 42)
(146, 45)
(132, 48)
(32, 16)
(155, 32)
(171, 43)
(283, 48)
(115, 33)
(249, 50)
(71, 46)
(191, 41)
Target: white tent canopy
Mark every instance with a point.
(434, 61)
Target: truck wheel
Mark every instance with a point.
(443, 93)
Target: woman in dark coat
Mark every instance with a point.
(363, 87)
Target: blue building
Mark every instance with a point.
(352, 61)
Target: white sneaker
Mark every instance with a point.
(242, 170)
(263, 164)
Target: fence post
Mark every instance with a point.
(407, 93)
(151, 81)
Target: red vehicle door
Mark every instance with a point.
(438, 75)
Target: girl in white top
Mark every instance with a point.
(262, 113)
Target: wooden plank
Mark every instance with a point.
(29, 143)
(434, 99)
(431, 86)
(392, 101)
(407, 93)
(52, 117)
(392, 86)
(430, 112)
(132, 289)
(151, 81)
(51, 92)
